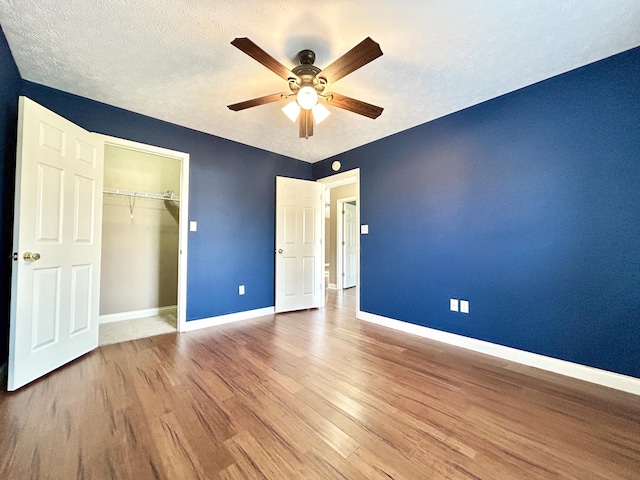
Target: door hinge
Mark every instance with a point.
(343, 243)
(15, 256)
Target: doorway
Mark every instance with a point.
(144, 207)
(340, 190)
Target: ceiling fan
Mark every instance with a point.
(307, 83)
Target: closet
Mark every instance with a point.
(140, 240)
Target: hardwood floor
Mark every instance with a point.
(312, 395)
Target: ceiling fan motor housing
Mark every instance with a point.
(306, 57)
(307, 73)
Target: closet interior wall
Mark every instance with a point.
(139, 235)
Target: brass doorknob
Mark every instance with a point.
(31, 257)
(280, 250)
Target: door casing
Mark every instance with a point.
(338, 180)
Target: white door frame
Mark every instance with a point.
(337, 180)
(339, 239)
(183, 224)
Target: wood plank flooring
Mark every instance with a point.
(312, 395)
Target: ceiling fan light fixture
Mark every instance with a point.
(320, 112)
(308, 83)
(291, 110)
(307, 97)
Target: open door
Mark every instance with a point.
(349, 247)
(56, 244)
(299, 263)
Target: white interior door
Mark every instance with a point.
(56, 244)
(299, 262)
(349, 246)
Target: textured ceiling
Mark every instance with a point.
(172, 59)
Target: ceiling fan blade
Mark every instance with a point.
(353, 105)
(306, 123)
(258, 54)
(363, 53)
(257, 101)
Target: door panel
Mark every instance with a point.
(309, 275)
(58, 216)
(46, 311)
(81, 277)
(51, 138)
(50, 203)
(85, 152)
(84, 209)
(298, 244)
(309, 225)
(349, 232)
(290, 224)
(289, 273)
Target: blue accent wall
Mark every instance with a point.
(9, 88)
(527, 205)
(232, 197)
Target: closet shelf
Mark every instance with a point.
(168, 195)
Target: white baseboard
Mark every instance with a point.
(231, 317)
(332, 286)
(563, 367)
(149, 312)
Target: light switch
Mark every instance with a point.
(241, 290)
(364, 229)
(193, 226)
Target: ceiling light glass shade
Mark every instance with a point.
(320, 112)
(291, 110)
(307, 97)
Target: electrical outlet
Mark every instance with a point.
(241, 290)
(464, 306)
(193, 226)
(453, 304)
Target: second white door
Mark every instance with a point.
(299, 262)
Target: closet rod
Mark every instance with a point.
(168, 195)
